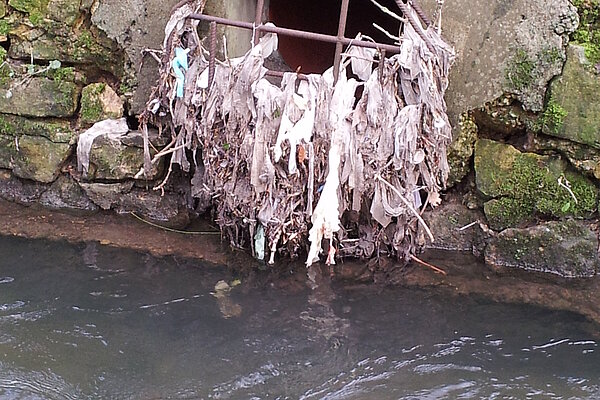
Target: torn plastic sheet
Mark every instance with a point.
(112, 128)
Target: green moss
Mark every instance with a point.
(588, 32)
(6, 128)
(57, 131)
(5, 27)
(523, 185)
(551, 55)
(533, 187)
(125, 87)
(35, 8)
(461, 149)
(62, 74)
(91, 107)
(553, 117)
(520, 70)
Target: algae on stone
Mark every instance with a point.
(39, 97)
(98, 102)
(521, 186)
(576, 94)
(461, 149)
(39, 159)
(36, 9)
(588, 32)
(565, 248)
(8, 150)
(57, 131)
(583, 158)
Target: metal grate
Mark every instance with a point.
(340, 40)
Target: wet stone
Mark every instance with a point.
(111, 159)
(106, 195)
(19, 191)
(169, 210)
(58, 131)
(565, 248)
(575, 100)
(521, 186)
(455, 228)
(66, 194)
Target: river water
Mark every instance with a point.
(91, 322)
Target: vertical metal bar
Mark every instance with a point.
(381, 65)
(339, 46)
(260, 5)
(212, 52)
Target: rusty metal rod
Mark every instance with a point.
(297, 33)
(421, 13)
(212, 37)
(260, 5)
(279, 74)
(340, 35)
(415, 24)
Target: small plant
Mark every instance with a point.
(519, 72)
(553, 117)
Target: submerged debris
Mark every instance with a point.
(351, 164)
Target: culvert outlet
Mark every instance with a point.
(322, 17)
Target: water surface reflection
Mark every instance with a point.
(93, 322)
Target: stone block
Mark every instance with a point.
(575, 102)
(98, 102)
(55, 130)
(111, 159)
(39, 97)
(565, 248)
(66, 194)
(521, 186)
(39, 159)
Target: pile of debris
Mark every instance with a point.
(292, 165)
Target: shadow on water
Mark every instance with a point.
(87, 321)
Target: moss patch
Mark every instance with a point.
(91, 106)
(573, 111)
(57, 131)
(520, 70)
(35, 8)
(553, 118)
(525, 185)
(588, 33)
(461, 149)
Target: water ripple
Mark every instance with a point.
(33, 385)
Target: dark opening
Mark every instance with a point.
(323, 17)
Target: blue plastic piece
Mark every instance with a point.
(180, 65)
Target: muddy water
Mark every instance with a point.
(93, 322)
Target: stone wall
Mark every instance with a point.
(524, 104)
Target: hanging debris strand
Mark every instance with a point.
(289, 167)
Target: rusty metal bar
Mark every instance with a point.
(260, 5)
(340, 35)
(212, 37)
(415, 24)
(381, 66)
(297, 33)
(279, 74)
(420, 12)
